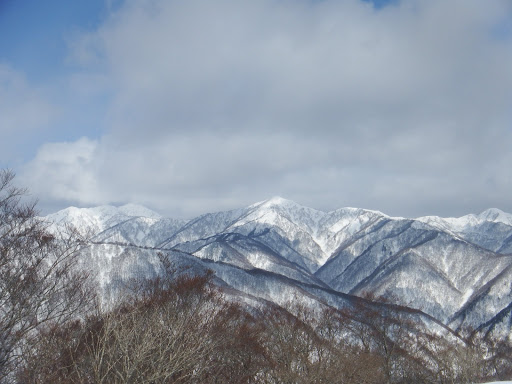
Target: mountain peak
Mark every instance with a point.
(278, 200)
(275, 202)
(496, 215)
(138, 210)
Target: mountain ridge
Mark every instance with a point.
(457, 270)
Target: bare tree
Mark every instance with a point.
(171, 329)
(346, 359)
(39, 283)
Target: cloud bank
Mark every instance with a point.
(214, 105)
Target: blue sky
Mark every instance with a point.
(36, 33)
(187, 107)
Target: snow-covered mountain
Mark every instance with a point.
(456, 270)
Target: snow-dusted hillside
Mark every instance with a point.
(98, 219)
(458, 270)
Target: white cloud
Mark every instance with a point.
(23, 111)
(218, 104)
(65, 172)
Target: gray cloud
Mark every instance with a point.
(218, 104)
(23, 110)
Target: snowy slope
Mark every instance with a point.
(491, 229)
(458, 270)
(100, 218)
